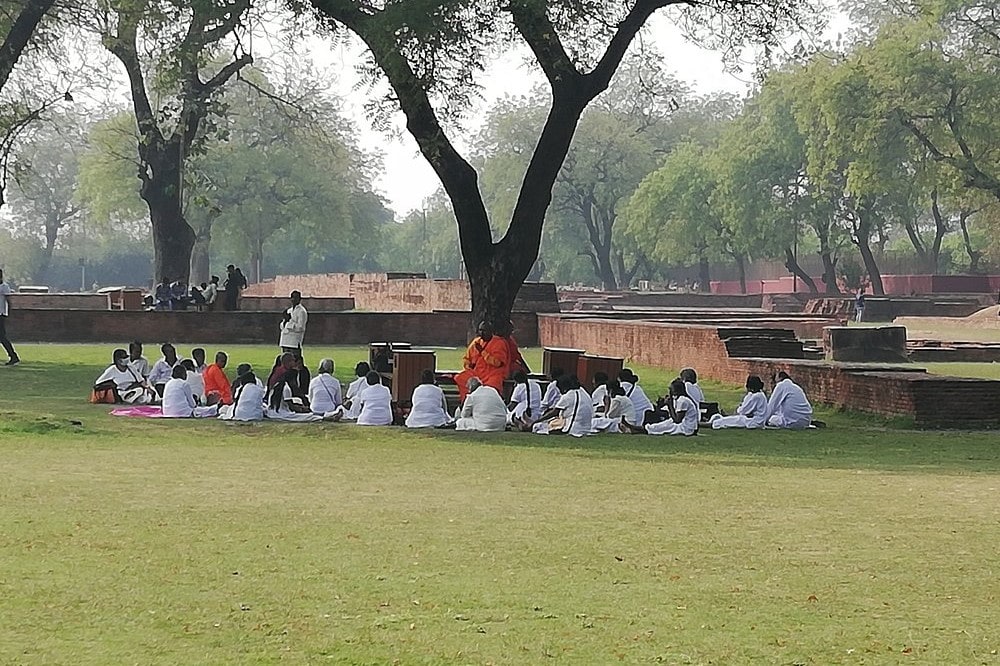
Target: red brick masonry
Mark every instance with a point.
(932, 401)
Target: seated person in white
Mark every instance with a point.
(694, 391)
(630, 382)
(324, 390)
(788, 406)
(194, 380)
(129, 385)
(599, 397)
(178, 398)
(429, 407)
(163, 369)
(752, 412)
(376, 402)
(282, 405)
(351, 403)
(483, 409)
(136, 360)
(619, 408)
(198, 360)
(683, 413)
(573, 414)
(248, 397)
(525, 400)
(552, 394)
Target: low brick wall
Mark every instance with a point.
(592, 300)
(59, 301)
(279, 304)
(932, 401)
(449, 329)
(878, 308)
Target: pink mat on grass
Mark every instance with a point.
(146, 411)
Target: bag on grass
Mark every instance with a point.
(105, 393)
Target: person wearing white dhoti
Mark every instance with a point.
(525, 400)
(279, 406)
(483, 409)
(619, 407)
(130, 386)
(352, 408)
(376, 402)
(194, 380)
(599, 398)
(572, 415)
(163, 369)
(178, 398)
(630, 383)
(788, 406)
(428, 406)
(752, 412)
(293, 325)
(248, 398)
(324, 390)
(694, 391)
(552, 393)
(683, 413)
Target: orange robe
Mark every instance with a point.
(488, 361)
(217, 382)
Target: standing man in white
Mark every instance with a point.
(788, 406)
(5, 290)
(293, 325)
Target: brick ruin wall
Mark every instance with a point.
(932, 401)
(324, 328)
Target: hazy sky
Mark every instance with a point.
(408, 179)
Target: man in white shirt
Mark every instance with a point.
(525, 399)
(211, 292)
(483, 409)
(293, 325)
(163, 369)
(788, 407)
(178, 398)
(6, 290)
(136, 360)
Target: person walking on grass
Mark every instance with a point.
(6, 290)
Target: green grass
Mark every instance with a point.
(154, 542)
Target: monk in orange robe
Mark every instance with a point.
(217, 388)
(515, 362)
(487, 358)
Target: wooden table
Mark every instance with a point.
(408, 366)
(559, 357)
(383, 351)
(587, 365)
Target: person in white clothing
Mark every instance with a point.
(136, 360)
(129, 386)
(178, 399)
(163, 369)
(281, 404)
(376, 402)
(211, 292)
(683, 413)
(694, 391)
(352, 406)
(552, 393)
(788, 407)
(324, 389)
(429, 407)
(752, 412)
(630, 382)
(5, 291)
(599, 397)
(573, 414)
(483, 409)
(198, 360)
(194, 380)
(525, 400)
(620, 408)
(248, 397)
(293, 325)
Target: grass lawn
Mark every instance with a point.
(156, 542)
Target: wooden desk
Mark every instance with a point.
(125, 299)
(408, 366)
(557, 357)
(587, 365)
(378, 351)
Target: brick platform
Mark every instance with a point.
(932, 401)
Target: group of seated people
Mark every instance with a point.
(192, 388)
(176, 295)
(620, 405)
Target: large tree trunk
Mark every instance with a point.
(862, 238)
(795, 269)
(24, 26)
(974, 254)
(704, 274)
(173, 237)
(829, 271)
(741, 266)
(940, 229)
(51, 234)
